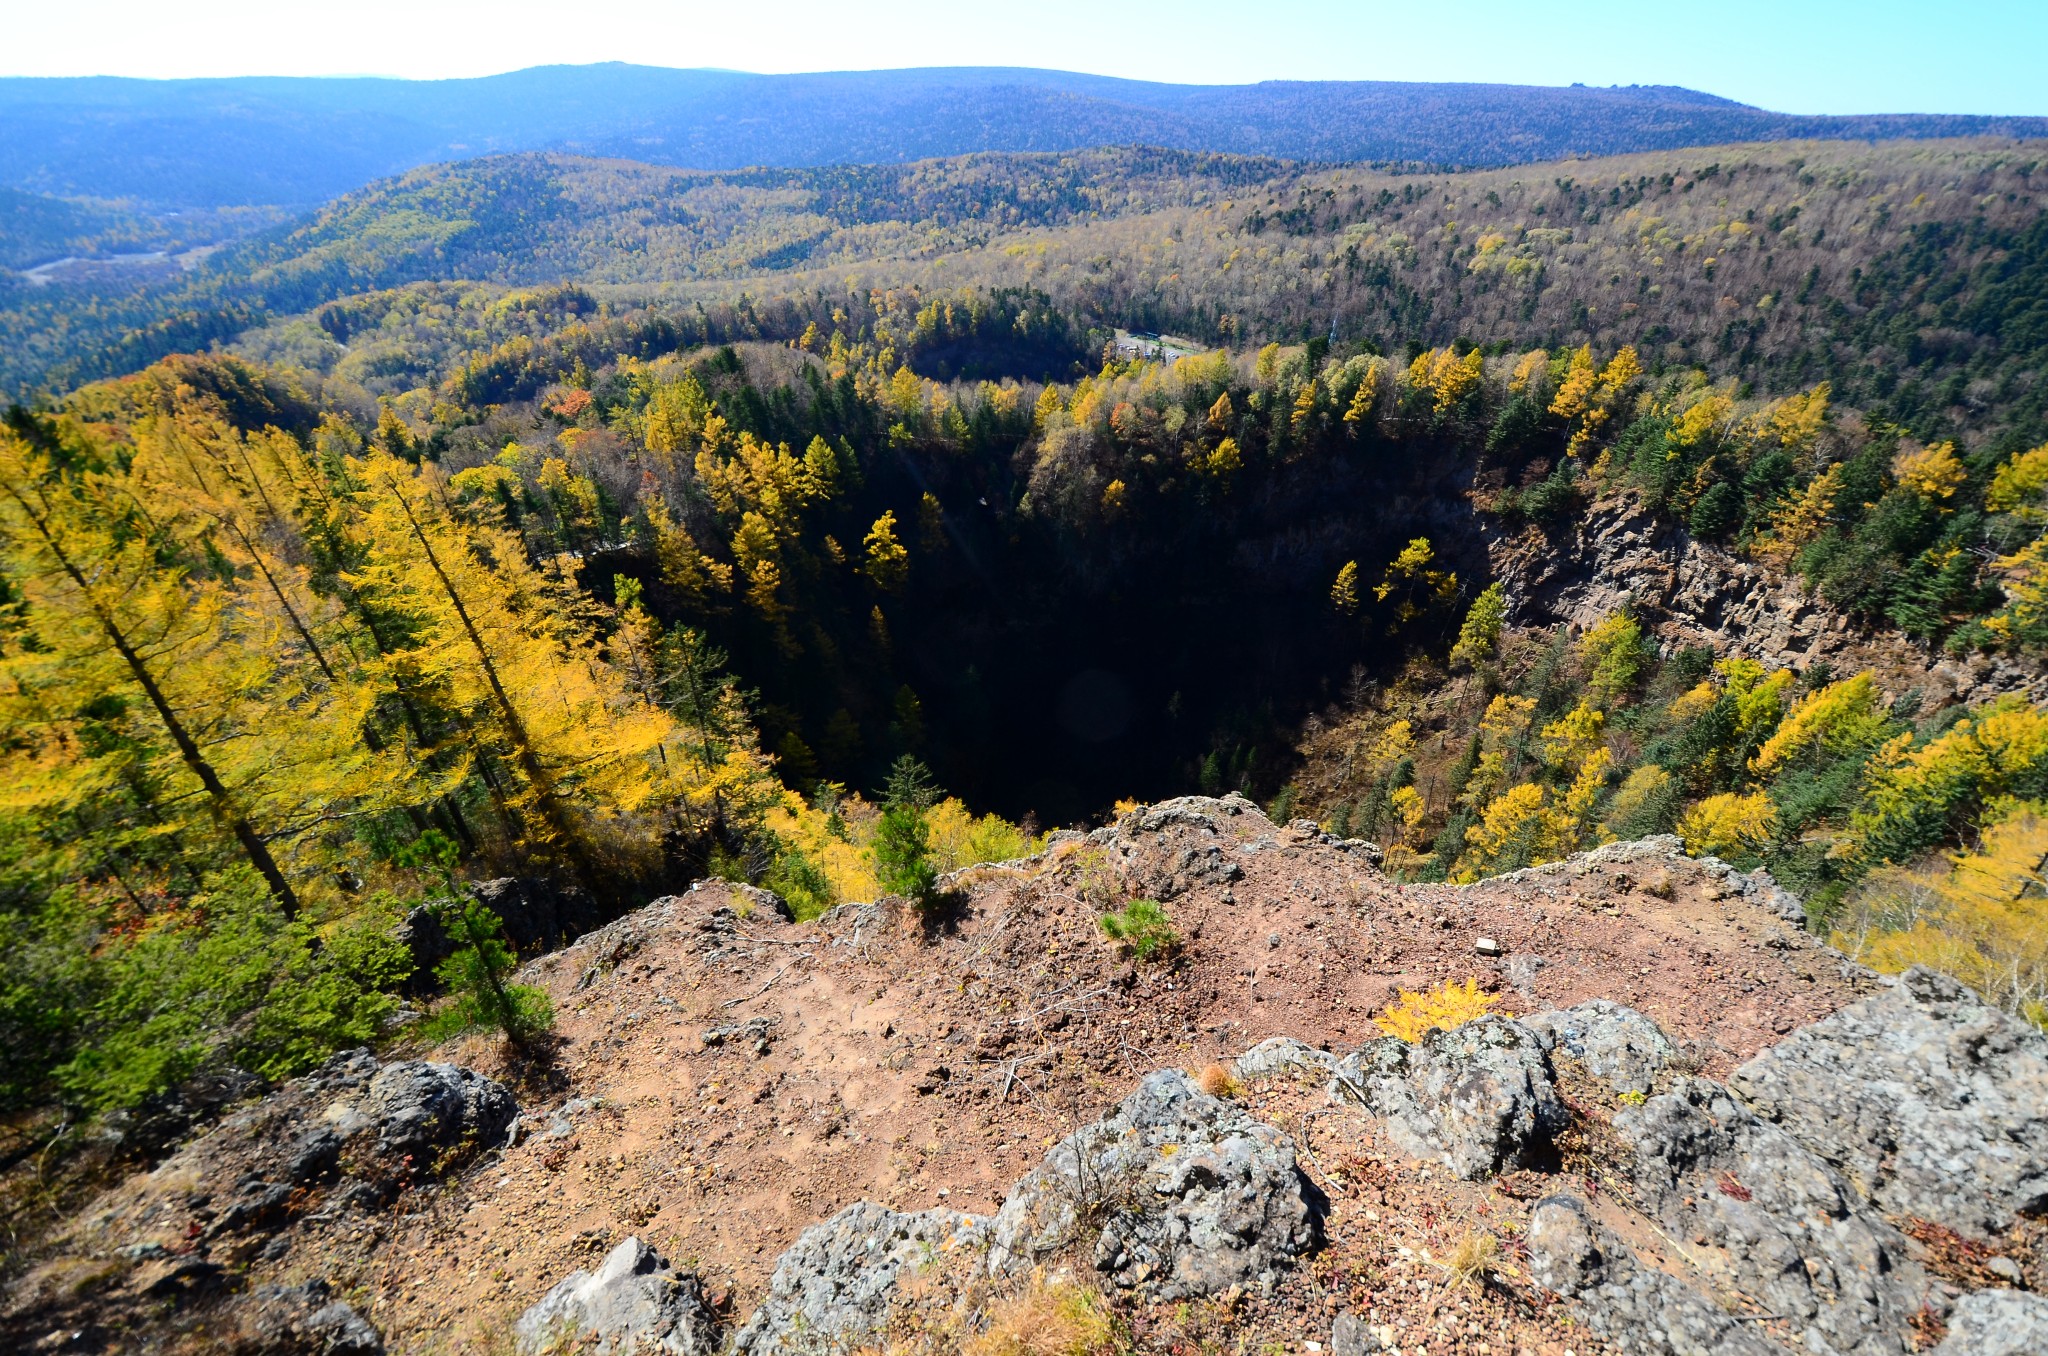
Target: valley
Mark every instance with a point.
(1313, 735)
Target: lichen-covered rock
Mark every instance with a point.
(1930, 1102)
(1648, 1312)
(832, 1289)
(1997, 1323)
(417, 1107)
(1284, 1055)
(634, 1303)
(1186, 1195)
(1617, 1045)
(1766, 1218)
(1479, 1099)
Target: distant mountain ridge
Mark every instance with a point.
(284, 140)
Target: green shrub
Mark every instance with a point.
(902, 845)
(1144, 929)
(902, 851)
(231, 981)
(480, 999)
(803, 886)
(475, 974)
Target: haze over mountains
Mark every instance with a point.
(299, 141)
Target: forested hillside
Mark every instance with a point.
(216, 143)
(1908, 276)
(541, 219)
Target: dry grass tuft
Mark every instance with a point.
(1218, 1081)
(1477, 1253)
(1057, 1318)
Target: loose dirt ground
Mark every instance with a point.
(875, 1055)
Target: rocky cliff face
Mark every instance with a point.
(1704, 1132)
(1619, 554)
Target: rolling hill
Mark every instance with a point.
(211, 143)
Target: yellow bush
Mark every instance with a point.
(843, 859)
(960, 839)
(1447, 1007)
(1728, 824)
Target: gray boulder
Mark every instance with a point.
(1763, 1217)
(1930, 1102)
(1284, 1055)
(1617, 1045)
(1646, 1311)
(1997, 1323)
(306, 1320)
(1186, 1195)
(635, 1302)
(1479, 1099)
(832, 1290)
(417, 1107)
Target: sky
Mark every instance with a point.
(1795, 56)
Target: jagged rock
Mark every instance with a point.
(306, 1320)
(1479, 1099)
(1192, 1196)
(1997, 1323)
(417, 1107)
(1615, 1044)
(1769, 1219)
(833, 1288)
(635, 1302)
(1284, 1055)
(1618, 553)
(314, 1156)
(1647, 1311)
(1928, 1101)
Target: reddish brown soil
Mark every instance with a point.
(915, 1065)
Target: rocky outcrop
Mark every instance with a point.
(1617, 1045)
(415, 1106)
(1765, 1218)
(634, 1303)
(1649, 1312)
(1284, 1055)
(1186, 1196)
(538, 915)
(1480, 1099)
(305, 1320)
(1618, 553)
(1929, 1102)
(1997, 1323)
(832, 1289)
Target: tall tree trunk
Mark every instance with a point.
(223, 804)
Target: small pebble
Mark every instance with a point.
(1486, 946)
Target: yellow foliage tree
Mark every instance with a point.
(1800, 520)
(1933, 473)
(1728, 824)
(2017, 485)
(887, 562)
(1982, 919)
(1836, 719)
(1344, 592)
(1479, 635)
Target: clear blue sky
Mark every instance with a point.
(1801, 56)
